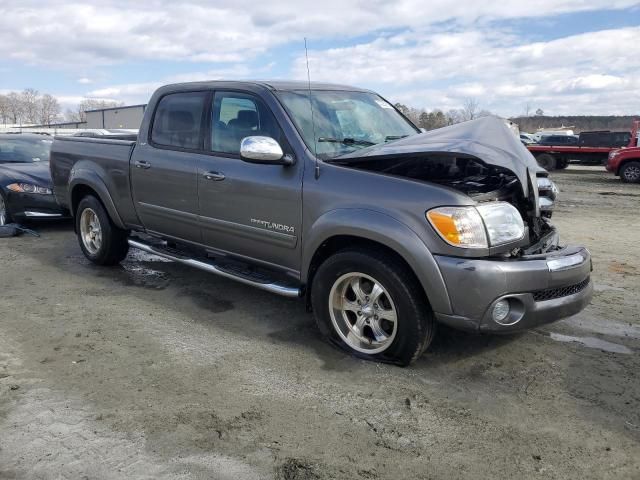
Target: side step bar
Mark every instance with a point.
(280, 289)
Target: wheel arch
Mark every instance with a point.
(349, 228)
(86, 182)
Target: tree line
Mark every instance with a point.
(30, 107)
(430, 120)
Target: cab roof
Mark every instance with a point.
(275, 85)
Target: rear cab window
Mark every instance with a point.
(178, 120)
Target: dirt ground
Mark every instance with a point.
(154, 370)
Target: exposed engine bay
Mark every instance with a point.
(473, 177)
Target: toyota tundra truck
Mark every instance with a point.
(329, 194)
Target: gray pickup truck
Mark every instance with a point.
(329, 193)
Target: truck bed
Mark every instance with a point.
(71, 156)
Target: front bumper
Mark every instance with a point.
(539, 288)
(23, 206)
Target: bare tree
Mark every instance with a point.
(49, 109)
(527, 110)
(30, 105)
(454, 116)
(15, 107)
(4, 109)
(470, 109)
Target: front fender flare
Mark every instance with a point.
(89, 178)
(384, 229)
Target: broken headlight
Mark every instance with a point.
(487, 225)
(547, 194)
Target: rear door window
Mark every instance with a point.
(178, 121)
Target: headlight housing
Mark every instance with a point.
(29, 188)
(547, 193)
(486, 225)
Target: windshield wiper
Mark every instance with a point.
(346, 141)
(394, 137)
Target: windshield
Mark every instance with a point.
(24, 150)
(344, 121)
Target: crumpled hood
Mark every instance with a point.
(487, 138)
(35, 173)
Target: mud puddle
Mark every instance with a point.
(590, 342)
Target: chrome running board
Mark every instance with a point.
(263, 284)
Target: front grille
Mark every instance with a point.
(551, 293)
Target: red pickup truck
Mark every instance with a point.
(625, 163)
(591, 147)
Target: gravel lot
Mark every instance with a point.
(154, 370)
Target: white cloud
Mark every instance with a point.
(58, 33)
(411, 56)
(140, 92)
(440, 70)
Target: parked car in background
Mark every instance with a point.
(563, 131)
(25, 179)
(329, 193)
(605, 138)
(593, 148)
(625, 163)
(558, 140)
(526, 138)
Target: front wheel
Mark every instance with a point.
(630, 172)
(370, 304)
(100, 240)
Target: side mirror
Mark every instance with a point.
(258, 149)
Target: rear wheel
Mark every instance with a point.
(4, 211)
(370, 304)
(562, 164)
(547, 161)
(630, 172)
(100, 240)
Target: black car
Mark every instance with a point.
(25, 180)
(557, 140)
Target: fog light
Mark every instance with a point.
(501, 310)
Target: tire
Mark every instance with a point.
(546, 161)
(100, 240)
(562, 164)
(334, 303)
(5, 218)
(630, 172)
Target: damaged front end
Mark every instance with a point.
(481, 159)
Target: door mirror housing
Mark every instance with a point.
(259, 149)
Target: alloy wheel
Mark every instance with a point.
(632, 173)
(90, 231)
(363, 313)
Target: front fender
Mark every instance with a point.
(384, 229)
(89, 178)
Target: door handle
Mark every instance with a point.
(142, 164)
(215, 176)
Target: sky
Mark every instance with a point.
(562, 56)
